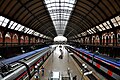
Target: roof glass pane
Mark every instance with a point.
(21, 28)
(93, 29)
(88, 32)
(1, 20)
(13, 26)
(30, 31)
(107, 26)
(5, 22)
(36, 33)
(60, 11)
(118, 19)
(98, 28)
(17, 27)
(101, 27)
(11, 22)
(26, 29)
(114, 22)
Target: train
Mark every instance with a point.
(22, 67)
(108, 67)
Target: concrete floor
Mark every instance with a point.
(59, 65)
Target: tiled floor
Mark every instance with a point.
(60, 65)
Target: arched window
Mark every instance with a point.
(26, 39)
(97, 39)
(15, 38)
(22, 39)
(7, 38)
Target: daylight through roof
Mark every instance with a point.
(60, 11)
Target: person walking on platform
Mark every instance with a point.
(75, 77)
(42, 69)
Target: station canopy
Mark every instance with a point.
(50, 18)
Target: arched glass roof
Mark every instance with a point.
(60, 11)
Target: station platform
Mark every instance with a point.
(54, 63)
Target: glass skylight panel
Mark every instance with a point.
(26, 29)
(21, 28)
(102, 27)
(60, 11)
(36, 33)
(13, 26)
(114, 22)
(93, 30)
(88, 32)
(118, 19)
(5, 22)
(30, 31)
(98, 28)
(107, 26)
(17, 27)
(1, 20)
(11, 22)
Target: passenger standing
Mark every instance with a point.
(42, 69)
(75, 77)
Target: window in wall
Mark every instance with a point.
(8, 35)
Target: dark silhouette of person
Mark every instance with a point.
(42, 69)
(75, 77)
